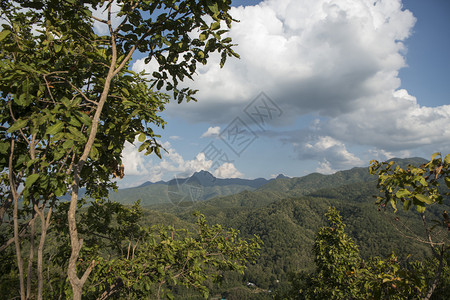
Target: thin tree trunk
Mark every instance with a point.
(437, 276)
(15, 195)
(31, 256)
(44, 227)
(439, 254)
(76, 243)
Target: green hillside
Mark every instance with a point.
(286, 214)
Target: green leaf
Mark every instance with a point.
(202, 37)
(447, 159)
(215, 25)
(214, 8)
(420, 208)
(424, 199)
(74, 121)
(94, 153)
(141, 137)
(4, 147)
(125, 92)
(434, 155)
(31, 179)
(393, 204)
(4, 34)
(407, 204)
(76, 133)
(54, 129)
(84, 118)
(68, 144)
(19, 124)
(58, 48)
(159, 84)
(402, 193)
(447, 181)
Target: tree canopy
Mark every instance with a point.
(70, 101)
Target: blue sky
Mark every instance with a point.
(321, 86)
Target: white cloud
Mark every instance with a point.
(227, 170)
(133, 160)
(325, 168)
(172, 164)
(380, 154)
(333, 154)
(337, 59)
(309, 56)
(394, 122)
(211, 132)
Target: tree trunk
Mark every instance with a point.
(437, 276)
(31, 256)
(12, 186)
(44, 227)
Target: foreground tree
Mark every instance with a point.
(342, 274)
(337, 263)
(137, 262)
(420, 187)
(69, 101)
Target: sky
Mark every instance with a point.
(320, 86)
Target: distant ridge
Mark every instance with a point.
(211, 187)
(206, 179)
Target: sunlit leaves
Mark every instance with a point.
(414, 185)
(31, 179)
(4, 34)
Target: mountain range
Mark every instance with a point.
(286, 214)
(198, 187)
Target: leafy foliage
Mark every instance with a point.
(416, 186)
(138, 261)
(342, 274)
(70, 102)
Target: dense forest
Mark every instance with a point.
(286, 216)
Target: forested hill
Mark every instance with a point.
(286, 213)
(236, 190)
(206, 186)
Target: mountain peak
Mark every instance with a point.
(203, 173)
(281, 176)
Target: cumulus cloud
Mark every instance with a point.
(227, 170)
(325, 167)
(211, 132)
(321, 56)
(172, 164)
(335, 59)
(133, 160)
(332, 153)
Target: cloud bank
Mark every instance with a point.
(336, 59)
(172, 164)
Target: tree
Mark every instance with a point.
(419, 187)
(135, 261)
(342, 274)
(69, 101)
(337, 262)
